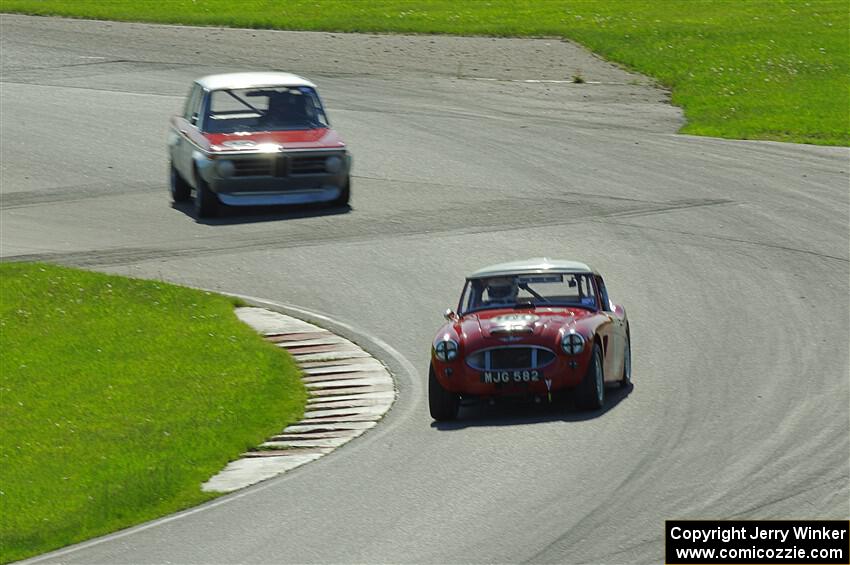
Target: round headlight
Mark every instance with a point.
(572, 343)
(225, 168)
(446, 350)
(333, 164)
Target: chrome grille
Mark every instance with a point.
(307, 165)
(511, 357)
(281, 166)
(252, 167)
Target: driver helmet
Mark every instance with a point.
(502, 290)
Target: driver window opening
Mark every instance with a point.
(603, 295)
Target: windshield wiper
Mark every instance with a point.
(531, 291)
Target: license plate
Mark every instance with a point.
(517, 376)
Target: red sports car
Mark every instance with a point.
(531, 328)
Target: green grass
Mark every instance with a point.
(119, 397)
(751, 69)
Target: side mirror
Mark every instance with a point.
(450, 315)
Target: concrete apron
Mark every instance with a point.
(349, 392)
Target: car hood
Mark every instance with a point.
(273, 141)
(540, 325)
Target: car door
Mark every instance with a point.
(615, 350)
(185, 124)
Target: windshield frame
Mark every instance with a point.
(530, 304)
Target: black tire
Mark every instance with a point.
(626, 378)
(590, 393)
(206, 202)
(344, 196)
(444, 404)
(180, 189)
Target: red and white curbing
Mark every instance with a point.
(349, 392)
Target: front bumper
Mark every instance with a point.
(566, 372)
(276, 198)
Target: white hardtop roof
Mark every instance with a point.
(251, 80)
(536, 265)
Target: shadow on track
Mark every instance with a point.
(518, 412)
(232, 215)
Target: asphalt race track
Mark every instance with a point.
(730, 256)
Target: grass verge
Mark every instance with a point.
(119, 397)
(755, 69)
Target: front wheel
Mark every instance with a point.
(444, 404)
(591, 390)
(180, 189)
(206, 202)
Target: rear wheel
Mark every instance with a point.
(444, 404)
(626, 379)
(590, 393)
(180, 189)
(206, 202)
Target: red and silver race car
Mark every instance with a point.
(532, 328)
(255, 139)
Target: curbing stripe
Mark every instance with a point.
(310, 435)
(286, 452)
(364, 389)
(324, 334)
(312, 412)
(349, 392)
(349, 403)
(345, 378)
(328, 427)
(330, 355)
(298, 343)
(318, 365)
(350, 397)
(364, 376)
(344, 383)
(302, 443)
(340, 419)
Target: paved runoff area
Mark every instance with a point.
(349, 392)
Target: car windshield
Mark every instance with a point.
(264, 109)
(529, 291)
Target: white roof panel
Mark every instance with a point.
(252, 80)
(534, 265)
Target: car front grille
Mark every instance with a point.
(252, 167)
(280, 165)
(510, 357)
(307, 165)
